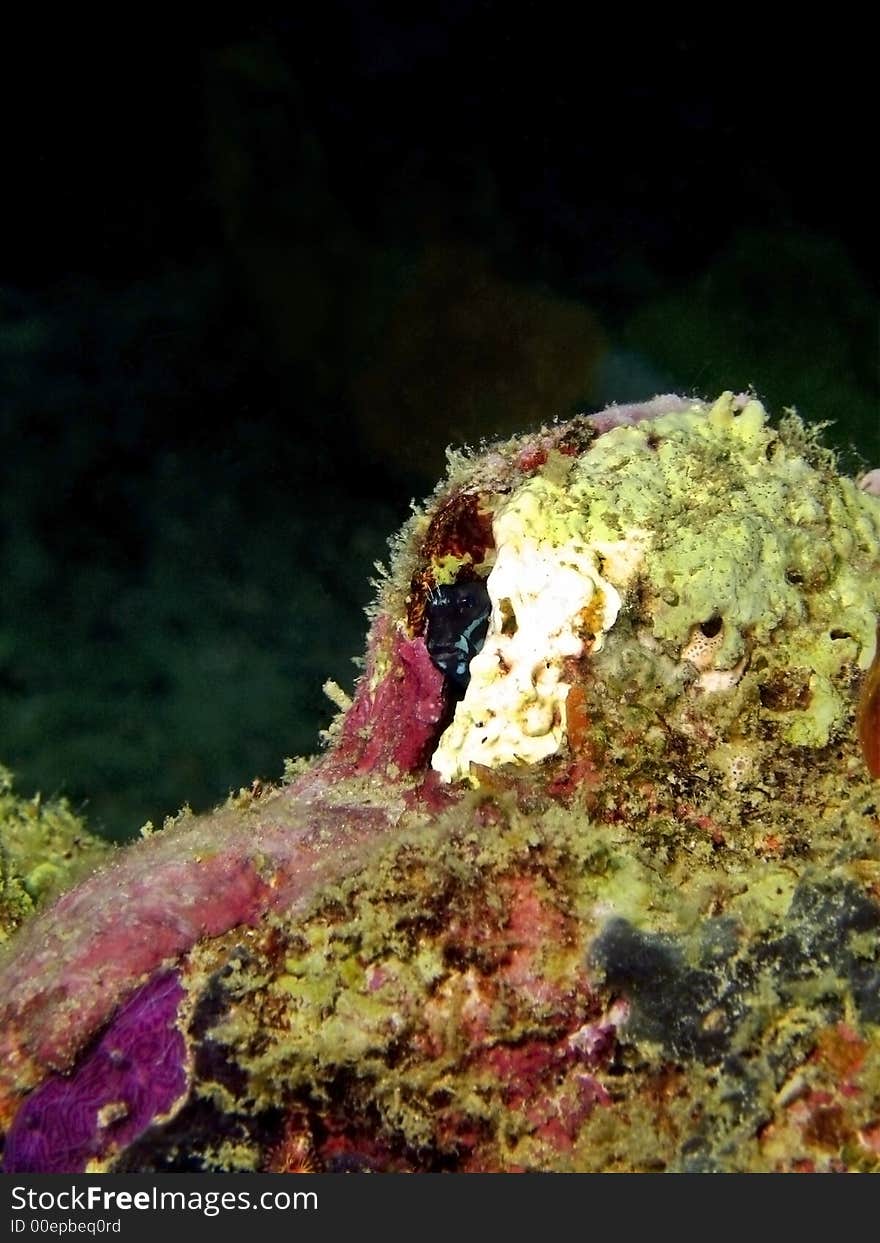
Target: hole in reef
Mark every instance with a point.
(508, 617)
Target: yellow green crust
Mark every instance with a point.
(43, 848)
(497, 936)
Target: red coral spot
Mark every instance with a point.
(869, 715)
(531, 459)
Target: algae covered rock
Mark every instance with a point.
(587, 879)
(43, 848)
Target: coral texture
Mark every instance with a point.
(609, 902)
(134, 1075)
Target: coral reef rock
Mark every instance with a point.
(587, 877)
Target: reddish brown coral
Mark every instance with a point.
(869, 715)
(460, 529)
(395, 717)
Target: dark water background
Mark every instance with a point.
(256, 277)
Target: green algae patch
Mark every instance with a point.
(44, 848)
(745, 523)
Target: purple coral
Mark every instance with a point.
(134, 1074)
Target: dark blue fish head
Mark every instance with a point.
(457, 622)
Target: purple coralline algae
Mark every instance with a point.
(134, 1075)
(608, 898)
